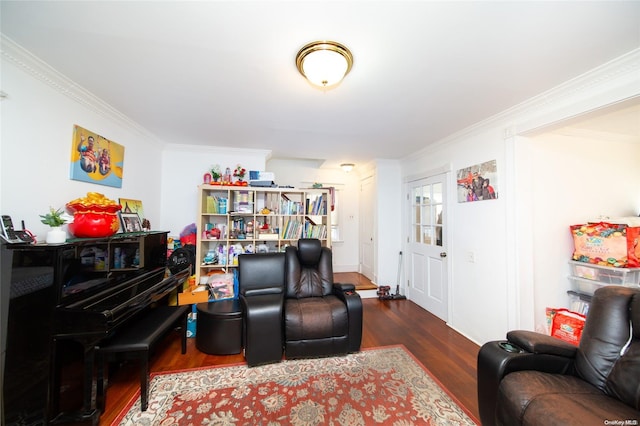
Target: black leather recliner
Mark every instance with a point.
(320, 317)
(291, 304)
(261, 282)
(534, 378)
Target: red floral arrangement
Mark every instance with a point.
(239, 172)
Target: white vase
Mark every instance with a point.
(56, 236)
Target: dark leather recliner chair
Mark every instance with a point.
(320, 317)
(291, 304)
(547, 381)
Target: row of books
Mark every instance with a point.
(318, 206)
(291, 207)
(214, 202)
(291, 229)
(218, 205)
(315, 231)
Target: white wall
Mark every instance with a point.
(303, 174)
(477, 290)
(36, 143)
(574, 180)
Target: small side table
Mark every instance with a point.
(219, 327)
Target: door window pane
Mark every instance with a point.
(427, 232)
(426, 214)
(437, 193)
(427, 209)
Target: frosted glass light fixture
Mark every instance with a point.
(324, 63)
(347, 167)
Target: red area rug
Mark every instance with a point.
(385, 386)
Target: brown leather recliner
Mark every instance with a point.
(291, 303)
(320, 317)
(534, 378)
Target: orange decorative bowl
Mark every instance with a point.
(93, 220)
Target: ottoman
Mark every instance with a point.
(219, 327)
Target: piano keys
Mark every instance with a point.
(103, 311)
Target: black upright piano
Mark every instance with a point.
(63, 300)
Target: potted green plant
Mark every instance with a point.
(216, 172)
(55, 220)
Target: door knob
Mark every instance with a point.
(443, 254)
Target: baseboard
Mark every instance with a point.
(461, 333)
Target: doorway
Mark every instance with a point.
(426, 260)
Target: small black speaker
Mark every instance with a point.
(182, 258)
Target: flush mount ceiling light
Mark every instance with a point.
(324, 63)
(347, 167)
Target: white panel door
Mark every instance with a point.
(426, 262)
(367, 228)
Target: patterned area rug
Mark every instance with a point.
(384, 386)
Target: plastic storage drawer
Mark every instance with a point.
(605, 274)
(585, 286)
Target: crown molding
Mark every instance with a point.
(555, 104)
(602, 77)
(12, 52)
(616, 82)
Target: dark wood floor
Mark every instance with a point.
(449, 356)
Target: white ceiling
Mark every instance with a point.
(223, 73)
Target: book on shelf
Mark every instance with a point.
(212, 204)
(311, 230)
(290, 207)
(317, 206)
(291, 229)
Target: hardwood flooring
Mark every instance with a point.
(360, 281)
(449, 356)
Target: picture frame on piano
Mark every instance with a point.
(130, 222)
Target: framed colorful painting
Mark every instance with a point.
(95, 159)
(132, 206)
